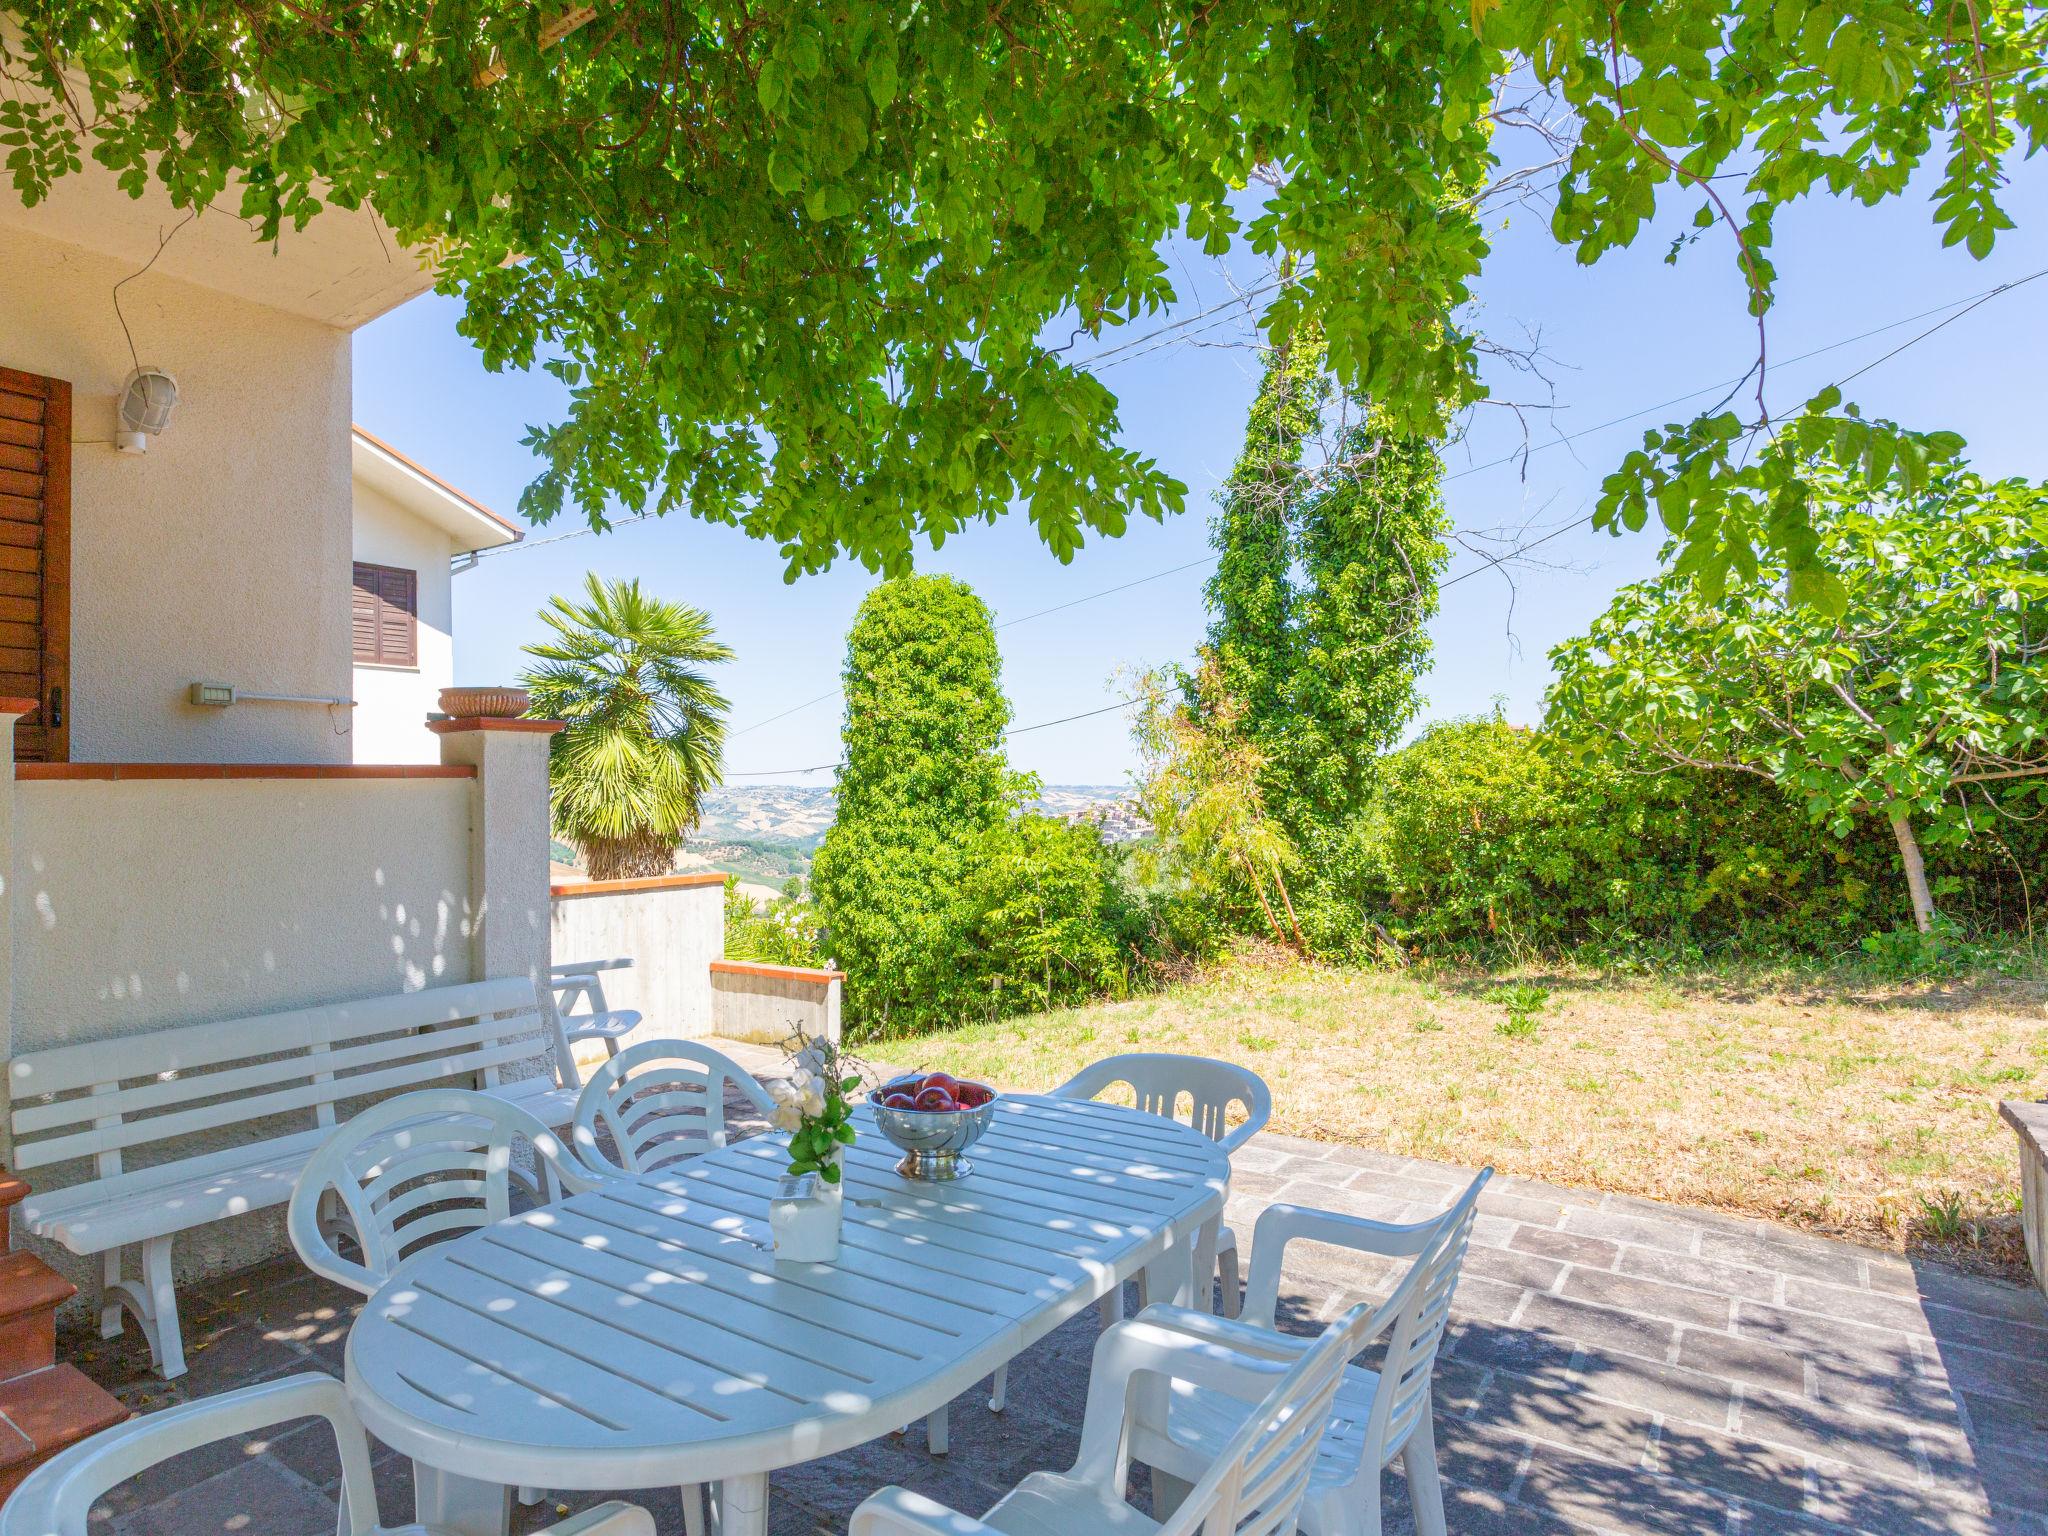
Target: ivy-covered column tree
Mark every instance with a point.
(1918, 695)
(1328, 573)
(924, 777)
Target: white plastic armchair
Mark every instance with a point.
(580, 1003)
(418, 1169)
(1196, 1091)
(57, 1498)
(1253, 1486)
(662, 1102)
(1378, 1414)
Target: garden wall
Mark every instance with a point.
(671, 927)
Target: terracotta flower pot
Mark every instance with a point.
(484, 703)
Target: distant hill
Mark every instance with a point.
(767, 833)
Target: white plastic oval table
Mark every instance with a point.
(643, 1334)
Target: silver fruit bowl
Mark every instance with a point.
(933, 1139)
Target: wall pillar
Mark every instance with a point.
(508, 841)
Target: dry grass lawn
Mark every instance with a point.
(1859, 1109)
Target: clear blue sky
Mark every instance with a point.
(1626, 334)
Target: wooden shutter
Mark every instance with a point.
(35, 560)
(383, 615)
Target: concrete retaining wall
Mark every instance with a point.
(671, 928)
(769, 1003)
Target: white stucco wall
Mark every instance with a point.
(222, 554)
(392, 703)
(139, 905)
(670, 929)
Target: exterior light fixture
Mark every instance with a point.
(147, 400)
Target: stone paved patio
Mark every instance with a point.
(1614, 1366)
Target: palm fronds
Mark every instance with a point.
(645, 732)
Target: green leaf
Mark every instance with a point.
(881, 72)
(1819, 590)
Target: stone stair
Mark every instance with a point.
(44, 1406)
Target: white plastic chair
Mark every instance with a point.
(663, 1102)
(57, 1498)
(418, 1169)
(581, 1006)
(1196, 1091)
(1253, 1486)
(1378, 1415)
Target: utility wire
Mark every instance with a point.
(1487, 562)
(1967, 304)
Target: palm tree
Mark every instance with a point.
(646, 729)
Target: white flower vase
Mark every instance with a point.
(803, 1217)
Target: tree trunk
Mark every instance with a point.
(628, 858)
(1916, 871)
(1287, 901)
(1259, 890)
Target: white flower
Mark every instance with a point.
(782, 1092)
(787, 1117)
(813, 1102)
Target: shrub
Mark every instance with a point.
(787, 932)
(1479, 837)
(1046, 917)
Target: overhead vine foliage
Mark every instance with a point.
(797, 262)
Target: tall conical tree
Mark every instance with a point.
(925, 775)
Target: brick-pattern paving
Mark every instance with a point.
(1614, 1366)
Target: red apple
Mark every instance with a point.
(899, 1100)
(944, 1080)
(935, 1098)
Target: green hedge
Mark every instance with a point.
(1477, 836)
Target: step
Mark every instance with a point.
(45, 1411)
(30, 1294)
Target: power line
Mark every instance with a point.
(1006, 624)
(1020, 730)
(793, 709)
(1487, 562)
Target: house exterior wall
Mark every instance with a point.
(392, 703)
(221, 554)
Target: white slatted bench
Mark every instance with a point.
(274, 1085)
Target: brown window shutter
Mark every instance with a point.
(397, 639)
(363, 612)
(35, 559)
(384, 607)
